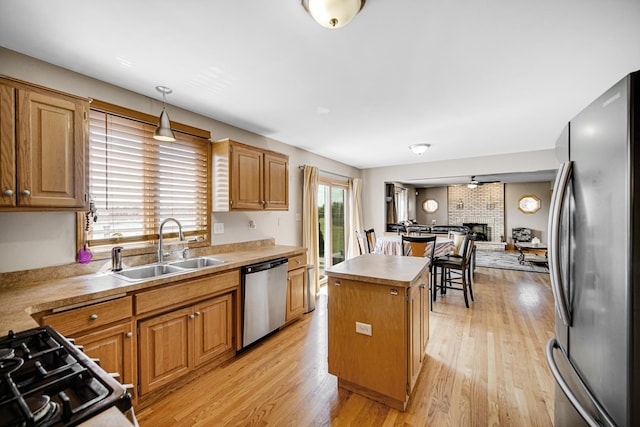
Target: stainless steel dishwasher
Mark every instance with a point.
(264, 299)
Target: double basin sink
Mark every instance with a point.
(150, 271)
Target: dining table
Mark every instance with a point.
(392, 245)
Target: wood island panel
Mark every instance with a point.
(387, 293)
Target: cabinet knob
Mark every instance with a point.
(128, 334)
(337, 283)
(8, 192)
(394, 292)
(191, 316)
(93, 317)
(26, 192)
(197, 313)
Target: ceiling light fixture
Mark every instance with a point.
(419, 148)
(164, 132)
(333, 13)
(473, 183)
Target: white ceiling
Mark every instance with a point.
(472, 78)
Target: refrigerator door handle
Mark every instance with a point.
(559, 191)
(551, 345)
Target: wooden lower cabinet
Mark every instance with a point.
(115, 347)
(418, 311)
(384, 365)
(295, 294)
(171, 345)
(213, 328)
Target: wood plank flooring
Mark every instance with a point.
(486, 367)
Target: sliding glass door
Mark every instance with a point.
(332, 199)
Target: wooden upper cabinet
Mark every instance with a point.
(49, 132)
(247, 173)
(7, 145)
(248, 178)
(276, 182)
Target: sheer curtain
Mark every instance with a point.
(356, 222)
(310, 218)
(390, 198)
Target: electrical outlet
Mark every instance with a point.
(218, 228)
(363, 328)
(252, 224)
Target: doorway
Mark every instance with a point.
(332, 199)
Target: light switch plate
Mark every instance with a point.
(218, 228)
(363, 328)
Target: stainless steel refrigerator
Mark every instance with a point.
(594, 260)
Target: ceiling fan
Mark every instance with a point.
(473, 183)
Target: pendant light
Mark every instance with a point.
(164, 132)
(333, 13)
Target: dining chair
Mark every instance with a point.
(363, 243)
(458, 238)
(461, 264)
(422, 246)
(371, 238)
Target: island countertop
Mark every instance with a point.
(380, 269)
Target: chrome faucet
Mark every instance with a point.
(161, 253)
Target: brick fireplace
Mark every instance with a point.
(483, 207)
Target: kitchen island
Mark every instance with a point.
(378, 325)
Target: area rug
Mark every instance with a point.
(506, 261)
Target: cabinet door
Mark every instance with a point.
(415, 338)
(7, 146)
(295, 294)
(165, 349)
(246, 178)
(51, 146)
(213, 328)
(276, 182)
(115, 347)
(425, 300)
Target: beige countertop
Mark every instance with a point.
(381, 269)
(22, 295)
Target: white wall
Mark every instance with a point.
(33, 240)
(537, 222)
(374, 178)
(29, 240)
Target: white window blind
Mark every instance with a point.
(136, 181)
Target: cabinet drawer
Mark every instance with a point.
(297, 261)
(185, 292)
(89, 317)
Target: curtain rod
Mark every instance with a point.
(324, 171)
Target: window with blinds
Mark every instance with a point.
(136, 182)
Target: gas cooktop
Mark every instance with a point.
(47, 381)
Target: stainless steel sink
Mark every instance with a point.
(198, 262)
(148, 271)
(155, 270)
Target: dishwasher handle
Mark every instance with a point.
(267, 265)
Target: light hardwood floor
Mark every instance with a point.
(486, 367)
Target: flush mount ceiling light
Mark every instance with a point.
(333, 13)
(419, 148)
(164, 132)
